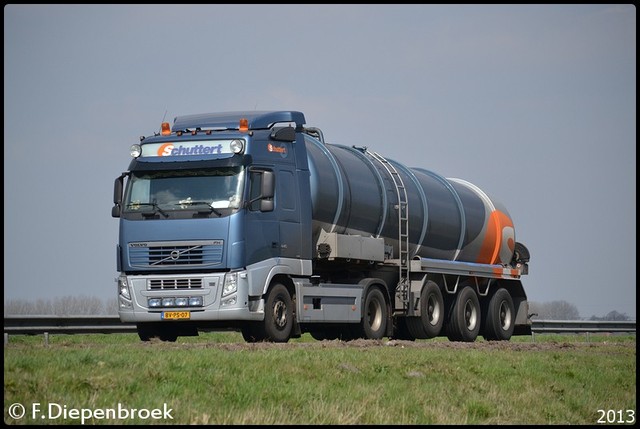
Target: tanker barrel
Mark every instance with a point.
(353, 193)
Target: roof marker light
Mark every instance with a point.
(244, 125)
(166, 129)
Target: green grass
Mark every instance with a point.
(218, 379)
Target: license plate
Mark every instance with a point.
(176, 315)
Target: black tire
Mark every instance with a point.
(319, 335)
(278, 314)
(464, 317)
(253, 332)
(350, 332)
(168, 336)
(145, 332)
(401, 330)
(148, 331)
(375, 315)
(499, 318)
(431, 320)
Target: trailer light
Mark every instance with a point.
(182, 301)
(244, 125)
(166, 129)
(136, 150)
(168, 302)
(237, 146)
(230, 284)
(154, 302)
(195, 301)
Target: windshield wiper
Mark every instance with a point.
(210, 208)
(155, 206)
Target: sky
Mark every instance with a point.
(534, 104)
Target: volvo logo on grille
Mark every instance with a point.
(174, 255)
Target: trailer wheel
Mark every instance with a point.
(499, 319)
(401, 330)
(431, 319)
(278, 314)
(374, 319)
(464, 317)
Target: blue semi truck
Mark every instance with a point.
(250, 221)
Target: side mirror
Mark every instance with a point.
(267, 191)
(266, 205)
(118, 186)
(268, 185)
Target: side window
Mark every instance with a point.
(255, 189)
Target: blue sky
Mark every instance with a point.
(535, 104)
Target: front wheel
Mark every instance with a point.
(253, 332)
(278, 314)
(148, 331)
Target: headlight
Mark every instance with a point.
(182, 301)
(195, 301)
(230, 284)
(123, 287)
(136, 150)
(237, 146)
(154, 302)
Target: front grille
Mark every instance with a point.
(174, 284)
(176, 254)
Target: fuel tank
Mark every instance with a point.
(355, 191)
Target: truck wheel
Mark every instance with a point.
(464, 317)
(431, 319)
(401, 330)
(319, 335)
(278, 314)
(148, 331)
(499, 317)
(252, 332)
(374, 319)
(145, 332)
(168, 336)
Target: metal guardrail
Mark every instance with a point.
(28, 325)
(577, 326)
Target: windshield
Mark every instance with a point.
(215, 188)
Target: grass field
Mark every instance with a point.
(216, 378)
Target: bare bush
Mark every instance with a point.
(70, 305)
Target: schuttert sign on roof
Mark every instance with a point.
(176, 149)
